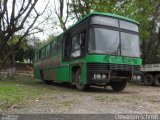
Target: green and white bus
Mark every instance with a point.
(101, 49)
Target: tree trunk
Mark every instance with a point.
(11, 69)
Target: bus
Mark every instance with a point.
(101, 49)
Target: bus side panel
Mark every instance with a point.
(58, 73)
(84, 74)
(49, 74)
(55, 74)
(65, 73)
(37, 74)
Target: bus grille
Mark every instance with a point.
(101, 67)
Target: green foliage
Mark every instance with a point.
(39, 44)
(18, 91)
(142, 11)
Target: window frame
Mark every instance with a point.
(48, 50)
(53, 47)
(66, 47)
(81, 47)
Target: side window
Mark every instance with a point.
(54, 47)
(83, 39)
(59, 43)
(66, 46)
(78, 45)
(39, 54)
(43, 52)
(48, 50)
(35, 57)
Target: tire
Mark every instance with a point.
(41, 76)
(45, 81)
(148, 79)
(48, 82)
(79, 85)
(118, 86)
(157, 80)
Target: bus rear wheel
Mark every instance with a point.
(78, 82)
(45, 81)
(118, 86)
(48, 82)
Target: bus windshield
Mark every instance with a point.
(113, 42)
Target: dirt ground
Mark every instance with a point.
(136, 98)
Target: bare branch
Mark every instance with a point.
(28, 13)
(22, 9)
(67, 12)
(60, 13)
(12, 21)
(13, 12)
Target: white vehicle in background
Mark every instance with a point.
(151, 74)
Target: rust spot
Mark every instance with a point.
(58, 59)
(49, 75)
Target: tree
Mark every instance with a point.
(62, 12)
(148, 13)
(16, 17)
(79, 8)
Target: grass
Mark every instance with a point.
(18, 91)
(22, 91)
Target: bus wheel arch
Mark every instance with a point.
(77, 78)
(74, 70)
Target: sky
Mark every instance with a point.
(50, 26)
(52, 21)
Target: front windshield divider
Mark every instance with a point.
(119, 38)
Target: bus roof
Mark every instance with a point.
(103, 14)
(114, 15)
(94, 13)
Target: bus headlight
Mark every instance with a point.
(104, 76)
(136, 77)
(99, 76)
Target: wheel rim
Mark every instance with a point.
(79, 78)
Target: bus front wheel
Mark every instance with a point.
(78, 82)
(118, 86)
